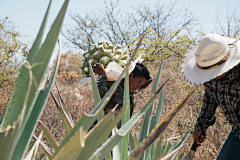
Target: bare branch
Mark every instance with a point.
(113, 24)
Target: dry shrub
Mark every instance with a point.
(78, 100)
(5, 94)
(69, 68)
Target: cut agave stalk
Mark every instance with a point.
(119, 46)
(86, 55)
(110, 46)
(86, 69)
(119, 51)
(124, 53)
(100, 47)
(97, 55)
(122, 62)
(94, 62)
(108, 53)
(104, 60)
(84, 63)
(125, 57)
(93, 49)
(100, 43)
(116, 58)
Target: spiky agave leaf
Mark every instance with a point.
(172, 153)
(96, 94)
(100, 133)
(179, 144)
(30, 125)
(145, 127)
(158, 149)
(74, 146)
(48, 135)
(126, 116)
(47, 151)
(37, 62)
(132, 143)
(168, 145)
(140, 149)
(65, 117)
(117, 150)
(9, 137)
(154, 122)
(32, 153)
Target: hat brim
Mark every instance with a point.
(194, 75)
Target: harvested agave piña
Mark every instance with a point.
(104, 52)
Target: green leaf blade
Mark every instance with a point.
(100, 133)
(145, 127)
(126, 117)
(48, 135)
(96, 94)
(29, 126)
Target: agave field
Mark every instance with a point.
(22, 113)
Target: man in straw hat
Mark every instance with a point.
(214, 61)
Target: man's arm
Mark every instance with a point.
(206, 115)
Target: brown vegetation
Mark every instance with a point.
(79, 100)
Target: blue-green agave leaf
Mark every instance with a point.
(96, 94)
(126, 116)
(30, 125)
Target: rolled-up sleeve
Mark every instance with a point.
(207, 112)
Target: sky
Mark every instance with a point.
(28, 14)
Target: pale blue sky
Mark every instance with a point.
(28, 14)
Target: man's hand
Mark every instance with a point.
(99, 69)
(198, 137)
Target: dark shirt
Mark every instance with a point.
(117, 97)
(225, 93)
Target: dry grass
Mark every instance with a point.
(80, 100)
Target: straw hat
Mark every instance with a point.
(211, 57)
